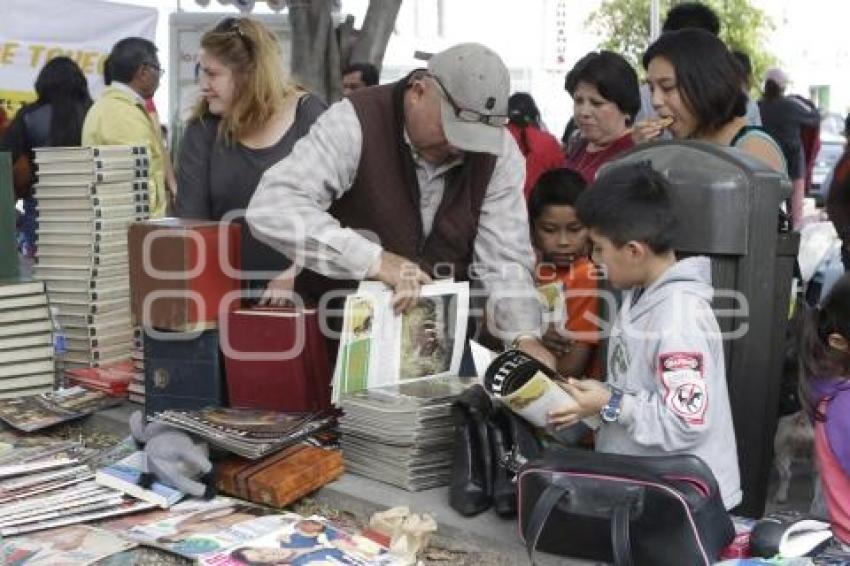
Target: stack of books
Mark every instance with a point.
(136, 389)
(86, 199)
(26, 339)
(112, 379)
(48, 486)
(401, 435)
(249, 433)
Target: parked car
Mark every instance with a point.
(831, 148)
(832, 142)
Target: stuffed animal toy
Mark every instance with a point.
(173, 458)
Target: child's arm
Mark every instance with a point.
(576, 360)
(837, 424)
(582, 328)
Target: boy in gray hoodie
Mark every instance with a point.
(665, 391)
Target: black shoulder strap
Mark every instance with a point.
(744, 131)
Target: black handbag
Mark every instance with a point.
(641, 510)
(491, 444)
(471, 485)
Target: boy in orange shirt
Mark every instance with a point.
(562, 244)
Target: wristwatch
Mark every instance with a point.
(611, 411)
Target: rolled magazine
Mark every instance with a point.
(528, 387)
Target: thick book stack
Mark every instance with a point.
(246, 432)
(26, 339)
(401, 435)
(87, 197)
(136, 390)
(112, 379)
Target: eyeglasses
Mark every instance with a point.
(155, 66)
(467, 114)
(232, 25)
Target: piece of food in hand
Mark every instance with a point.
(664, 122)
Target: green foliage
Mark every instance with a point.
(625, 26)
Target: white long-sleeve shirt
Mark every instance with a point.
(289, 212)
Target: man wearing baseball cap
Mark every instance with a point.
(408, 182)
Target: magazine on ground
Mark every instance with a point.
(379, 348)
(194, 528)
(33, 459)
(126, 506)
(305, 541)
(36, 412)
(75, 545)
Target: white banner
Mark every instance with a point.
(34, 31)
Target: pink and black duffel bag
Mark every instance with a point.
(629, 510)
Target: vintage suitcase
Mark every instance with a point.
(183, 272)
(276, 360)
(183, 370)
(282, 478)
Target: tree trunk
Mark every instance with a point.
(312, 38)
(319, 52)
(375, 33)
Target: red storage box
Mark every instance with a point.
(276, 359)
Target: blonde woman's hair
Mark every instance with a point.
(251, 51)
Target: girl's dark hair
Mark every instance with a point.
(554, 187)
(817, 359)
(613, 77)
(523, 111)
(707, 76)
(62, 84)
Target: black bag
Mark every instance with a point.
(491, 444)
(471, 486)
(642, 510)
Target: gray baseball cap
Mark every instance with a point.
(476, 85)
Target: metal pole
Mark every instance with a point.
(654, 20)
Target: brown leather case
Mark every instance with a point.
(282, 478)
(187, 269)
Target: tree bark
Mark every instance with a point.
(375, 33)
(311, 27)
(319, 52)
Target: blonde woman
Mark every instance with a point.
(248, 118)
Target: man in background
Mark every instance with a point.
(120, 116)
(358, 75)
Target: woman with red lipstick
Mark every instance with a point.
(248, 118)
(695, 85)
(604, 87)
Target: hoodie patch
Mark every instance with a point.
(683, 379)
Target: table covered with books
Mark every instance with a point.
(242, 412)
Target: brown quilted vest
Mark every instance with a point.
(384, 198)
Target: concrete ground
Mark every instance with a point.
(485, 539)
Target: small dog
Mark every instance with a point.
(794, 432)
(795, 437)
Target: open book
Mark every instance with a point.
(380, 348)
(528, 388)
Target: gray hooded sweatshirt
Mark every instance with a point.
(665, 352)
